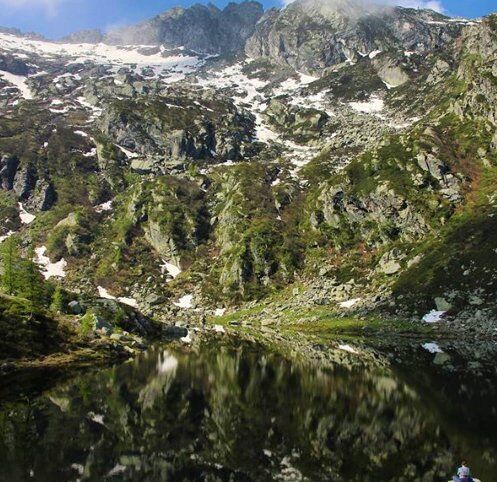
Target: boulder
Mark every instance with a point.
(75, 308)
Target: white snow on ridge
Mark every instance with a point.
(177, 66)
(49, 269)
(19, 82)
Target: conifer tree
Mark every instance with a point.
(57, 304)
(31, 282)
(10, 256)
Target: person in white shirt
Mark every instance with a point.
(463, 474)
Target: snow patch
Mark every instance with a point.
(173, 270)
(19, 82)
(6, 236)
(373, 105)
(184, 302)
(220, 312)
(349, 303)
(129, 154)
(103, 293)
(218, 329)
(432, 347)
(107, 206)
(49, 269)
(26, 218)
(187, 338)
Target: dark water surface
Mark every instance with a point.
(238, 412)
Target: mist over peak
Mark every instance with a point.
(359, 8)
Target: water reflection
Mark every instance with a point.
(240, 413)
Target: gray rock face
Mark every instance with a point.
(91, 36)
(24, 182)
(8, 169)
(312, 35)
(44, 196)
(13, 65)
(156, 128)
(200, 27)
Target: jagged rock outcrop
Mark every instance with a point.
(91, 36)
(204, 28)
(312, 35)
(13, 65)
(177, 127)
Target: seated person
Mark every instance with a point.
(463, 474)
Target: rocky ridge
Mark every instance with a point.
(185, 182)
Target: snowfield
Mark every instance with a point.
(173, 67)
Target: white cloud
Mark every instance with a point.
(429, 4)
(368, 5)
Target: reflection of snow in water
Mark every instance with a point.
(96, 418)
(432, 347)
(167, 363)
(348, 348)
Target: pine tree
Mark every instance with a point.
(31, 283)
(57, 304)
(11, 258)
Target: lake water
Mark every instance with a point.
(234, 411)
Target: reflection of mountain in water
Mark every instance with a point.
(235, 413)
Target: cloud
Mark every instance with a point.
(50, 7)
(370, 5)
(427, 4)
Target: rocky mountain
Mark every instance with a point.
(346, 157)
(312, 35)
(203, 28)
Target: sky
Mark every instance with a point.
(55, 18)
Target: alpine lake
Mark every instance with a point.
(235, 408)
